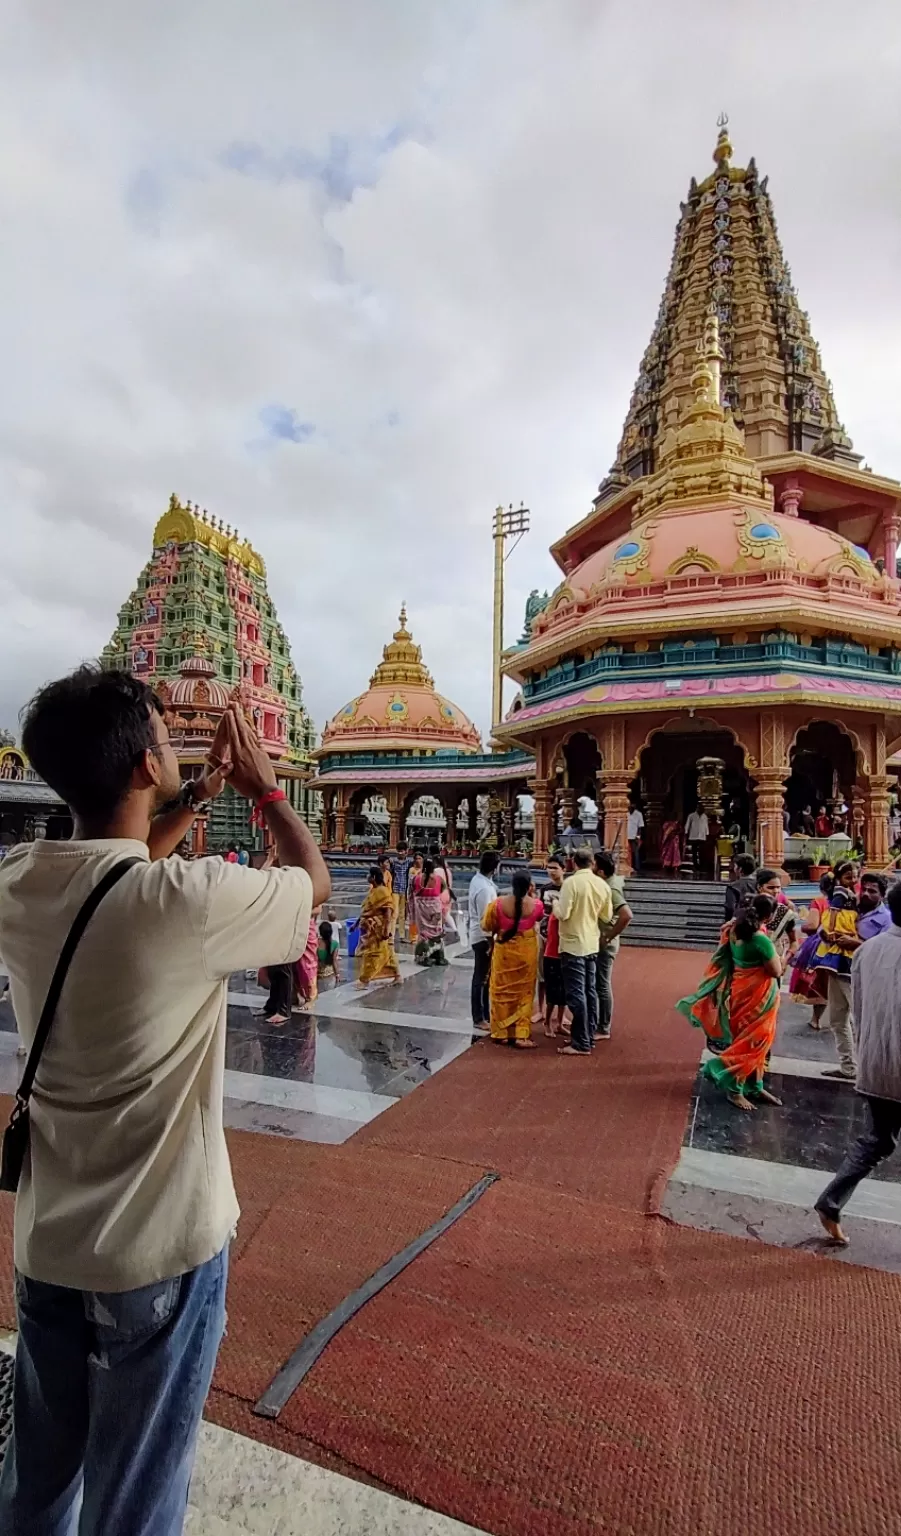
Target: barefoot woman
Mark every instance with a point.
(514, 963)
(737, 1005)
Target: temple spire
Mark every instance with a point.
(728, 263)
(722, 154)
(402, 660)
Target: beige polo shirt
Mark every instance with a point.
(129, 1179)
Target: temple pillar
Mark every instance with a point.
(791, 498)
(340, 821)
(472, 818)
(891, 529)
(509, 825)
(858, 815)
(877, 806)
(451, 811)
(199, 834)
(653, 815)
(394, 828)
(566, 800)
(769, 798)
(614, 793)
(543, 792)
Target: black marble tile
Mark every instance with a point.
(442, 991)
(813, 1129)
(794, 1036)
(339, 1053)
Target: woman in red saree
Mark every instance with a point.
(671, 844)
(737, 1005)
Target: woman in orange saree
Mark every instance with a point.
(512, 921)
(737, 1005)
(378, 961)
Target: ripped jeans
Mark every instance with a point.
(108, 1392)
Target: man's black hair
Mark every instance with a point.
(605, 863)
(85, 734)
(488, 862)
(874, 877)
(746, 864)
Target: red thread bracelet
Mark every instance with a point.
(269, 798)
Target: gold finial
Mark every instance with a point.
(402, 621)
(723, 151)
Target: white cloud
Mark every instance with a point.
(436, 232)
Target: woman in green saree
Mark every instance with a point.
(737, 1005)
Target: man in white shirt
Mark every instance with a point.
(126, 1204)
(697, 831)
(634, 829)
(876, 995)
(482, 892)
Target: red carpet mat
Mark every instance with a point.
(609, 1127)
(559, 1362)
(317, 1221)
(553, 1366)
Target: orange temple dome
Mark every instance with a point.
(198, 685)
(401, 710)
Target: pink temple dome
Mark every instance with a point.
(718, 539)
(198, 687)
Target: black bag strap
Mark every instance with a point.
(85, 913)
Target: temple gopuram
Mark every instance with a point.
(731, 599)
(200, 626)
(402, 740)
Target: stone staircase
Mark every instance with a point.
(675, 914)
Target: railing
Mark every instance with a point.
(498, 760)
(704, 655)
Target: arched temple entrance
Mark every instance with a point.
(576, 770)
(824, 777)
(667, 783)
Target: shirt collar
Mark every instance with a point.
(73, 847)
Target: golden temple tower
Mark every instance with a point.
(727, 254)
(732, 594)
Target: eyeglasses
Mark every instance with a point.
(176, 742)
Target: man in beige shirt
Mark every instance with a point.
(584, 903)
(126, 1203)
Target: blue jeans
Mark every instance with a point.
(580, 984)
(605, 991)
(108, 1393)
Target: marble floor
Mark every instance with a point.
(323, 1075)
(759, 1174)
(241, 1486)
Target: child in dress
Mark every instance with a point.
(839, 922)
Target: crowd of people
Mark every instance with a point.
(546, 956)
(845, 962)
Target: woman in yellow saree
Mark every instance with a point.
(377, 957)
(737, 1005)
(514, 964)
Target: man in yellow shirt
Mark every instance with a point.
(585, 902)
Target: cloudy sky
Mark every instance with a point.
(350, 272)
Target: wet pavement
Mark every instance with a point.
(324, 1074)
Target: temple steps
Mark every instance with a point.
(674, 914)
